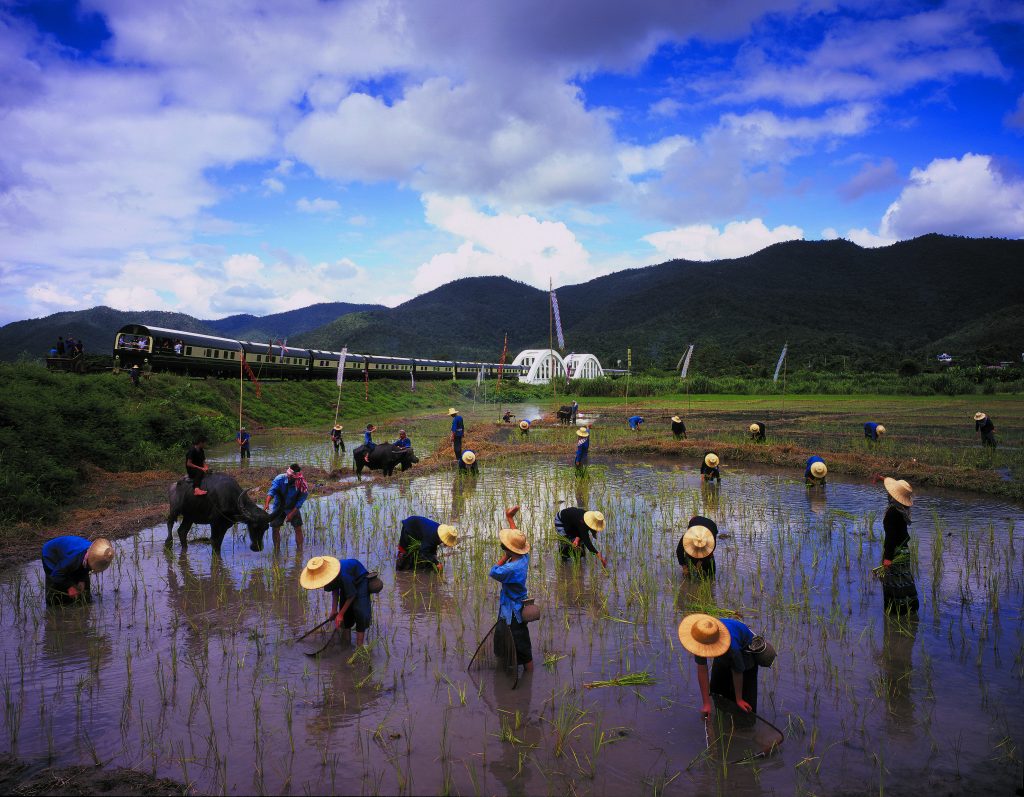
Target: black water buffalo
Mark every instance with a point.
(225, 504)
(384, 457)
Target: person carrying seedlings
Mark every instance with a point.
(418, 543)
(678, 428)
(733, 670)
(695, 551)
(511, 571)
(67, 563)
(337, 439)
(403, 440)
(289, 492)
(458, 430)
(815, 472)
(350, 585)
(242, 438)
(574, 527)
(467, 463)
(983, 424)
(582, 447)
(195, 465)
(757, 432)
(635, 423)
(873, 431)
(709, 471)
(899, 593)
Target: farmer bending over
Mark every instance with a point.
(635, 422)
(195, 465)
(67, 562)
(582, 447)
(757, 432)
(419, 541)
(695, 550)
(467, 464)
(709, 471)
(289, 492)
(678, 427)
(815, 472)
(873, 431)
(574, 527)
(983, 424)
(350, 585)
(734, 671)
(511, 571)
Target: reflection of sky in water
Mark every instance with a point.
(205, 646)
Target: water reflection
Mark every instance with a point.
(895, 669)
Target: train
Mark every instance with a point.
(178, 351)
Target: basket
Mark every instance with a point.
(531, 611)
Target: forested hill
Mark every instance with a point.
(97, 326)
(828, 299)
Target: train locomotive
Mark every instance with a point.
(189, 353)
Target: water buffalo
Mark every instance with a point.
(384, 457)
(224, 505)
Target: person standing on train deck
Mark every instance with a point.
(242, 438)
(815, 472)
(983, 424)
(337, 439)
(678, 428)
(733, 671)
(458, 430)
(574, 527)
(195, 465)
(873, 431)
(582, 447)
(60, 346)
(67, 563)
(289, 492)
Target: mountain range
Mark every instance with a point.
(831, 301)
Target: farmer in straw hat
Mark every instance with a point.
(574, 527)
(695, 551)
(458, 430)
(709, 468)
(899, 593)
(983, 424)
(815, 472)
(582, 447)
(757, 432)
(467, 463)
(873, 430)
(635, 423)
(350, 585)
(524, 427)
(337, 439)
(734, 671)
(419, 541)
(678, 427)
(511, 571)
(67, 563)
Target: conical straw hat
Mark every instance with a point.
(711, 460)
(979, 416)
(524, 424)
(449, 535)
(514, 540)
(100, 555)
(319, 572)
(468, 457)
(582, 432)
(900, 490)
(594, 520)
(703, 635)
(698, 542)
(818, 470)
(338, 427)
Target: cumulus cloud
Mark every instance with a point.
(316, 205)
(704, 242)
(272, 185)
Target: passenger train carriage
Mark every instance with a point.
(206, 355)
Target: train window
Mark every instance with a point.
(188, 350)
(216, 353)
(206, 352)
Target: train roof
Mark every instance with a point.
(193, 338)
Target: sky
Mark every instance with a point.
(237, 156)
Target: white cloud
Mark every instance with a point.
(870, 240)
(272, 185)
(316, 205)
(665, 108)
(704, 242)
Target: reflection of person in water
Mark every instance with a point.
(512, 708)
(895, 666)
(461, 490)
(192, 594)
(72, 638)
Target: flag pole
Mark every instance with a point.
(241, 375)
(551, 338)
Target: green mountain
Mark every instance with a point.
(283, 325)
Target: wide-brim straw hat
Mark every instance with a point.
(703, 635)
(818, 470)
(582, 432)
(524, 424)
(468, 457)
(514, 540)
(100, 555)
(900, 490)
(754, 428)
(449, 535)
(879, 429)
(452, 411)
(594, 520)
(711, 460)
(979, 416)
(338, 427)
(698, 542)
(319, 572)
(676, 419)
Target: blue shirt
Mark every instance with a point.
(403, 442)
(350, 581)
(285, 494)
(64, 559)
(422, 530)
(243, 438)
(871, 430)
(811, 461)
(739, 637)
(512, 576)
(635, 421)
(368, 438)
(582, 449)
(458, 428)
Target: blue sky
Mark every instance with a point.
(216, 158)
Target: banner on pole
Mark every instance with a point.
(341, 365)
(480, 376)
(252, 377)
(779, 366)
(629, 359)
(686, 362)
(412, 377)
(558, 321)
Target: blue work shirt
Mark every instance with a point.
(64, 560)
(635, 421)
(871, 430)
(811, 461)
(350, 581)
(739, 637)
(403, 442)
(582, 449)
(243, 438)
(286, 495)
(458, 427)
(368, 438)
(512, 576)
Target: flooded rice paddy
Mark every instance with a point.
(186, 666)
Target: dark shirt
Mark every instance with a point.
(351, 580)
(896, 534)
(243, 438)
(984, 426)
(709, 473)
(759, 434)
(685, 559)
(678, 428)
(422, 531)
(64, 561)
(573, 526)
(739, 637)
(195, 456)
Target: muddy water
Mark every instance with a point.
(186, 667)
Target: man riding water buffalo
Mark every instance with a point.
(223, 504)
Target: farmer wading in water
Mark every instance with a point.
(511, 571)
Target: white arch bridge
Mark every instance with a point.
(543, 364)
